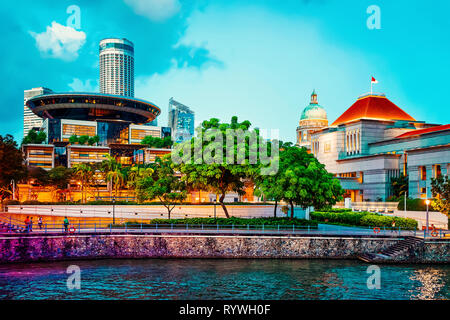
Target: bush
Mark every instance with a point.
(238, 221)
(366, 219)
(413, 205)
(11, 202)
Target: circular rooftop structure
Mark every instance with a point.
(92, 107)
(314, 111)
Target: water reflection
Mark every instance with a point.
(222, 279)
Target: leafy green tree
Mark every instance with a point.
(136, 173)
(302, 180)
(11, 165)
(73, 139)
(60, 176)
(83, 139)
(224, 158)
(93, 140)
(155, 142)
(440, 189)
(34, 137)
(162, 184)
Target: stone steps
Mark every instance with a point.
(390, 253)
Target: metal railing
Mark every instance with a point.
(98, 227)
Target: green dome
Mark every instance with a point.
(314, 112)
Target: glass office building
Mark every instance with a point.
(181, 121)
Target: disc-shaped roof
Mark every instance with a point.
(373, 106)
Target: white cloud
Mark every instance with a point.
(156, 10)
(60, 41)
(86, 86)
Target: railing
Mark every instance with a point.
(99, 227)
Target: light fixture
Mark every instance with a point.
(427, 201)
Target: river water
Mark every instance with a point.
(223, 279)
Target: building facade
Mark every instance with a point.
(375, 141)
(117, 67)
(181, 120)
(30, 120)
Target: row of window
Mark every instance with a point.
(353, 142)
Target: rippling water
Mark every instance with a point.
(223, 279)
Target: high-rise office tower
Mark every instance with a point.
(30, 120)
(181, 121)
(117, 67)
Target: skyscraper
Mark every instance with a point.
(117, 67)
(181, 121)
(30, 120)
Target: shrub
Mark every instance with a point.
(366, 219)
(413, 205)
(239, 221)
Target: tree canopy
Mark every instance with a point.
(440, 188)
(11, 165)
(155, 142)
(34, 137)
(301, 180)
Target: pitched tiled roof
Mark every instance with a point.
(373, 107)
(422, 131)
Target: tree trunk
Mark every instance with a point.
(292, 209)
(222, 197)
(275, 209)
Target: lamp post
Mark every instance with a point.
(13, 183)
(215, 201)
(114, 211)
(427, 203)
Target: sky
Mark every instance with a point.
(257, 59)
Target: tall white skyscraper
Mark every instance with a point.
(30, 120)
(117, 67)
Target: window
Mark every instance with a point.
(327, 147)
(423, 172)
(436, 170)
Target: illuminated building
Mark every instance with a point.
(30, 120)
(374, 141)
(313, 117)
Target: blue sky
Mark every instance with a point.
(259, 60)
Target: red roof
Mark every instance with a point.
(422, 131)
(373, 107)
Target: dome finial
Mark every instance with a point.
(314, 97)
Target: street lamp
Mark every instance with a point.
(427, 202)
(13, 189)
(215, 200)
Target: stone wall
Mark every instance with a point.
(43, 248)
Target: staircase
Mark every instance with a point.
(6, 227)
(401, 251)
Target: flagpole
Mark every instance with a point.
(371, 84)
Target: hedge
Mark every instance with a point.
(413, 205)
(363, 219)
(231, 221)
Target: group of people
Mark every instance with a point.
(29, 224)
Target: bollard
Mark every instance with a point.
(278, 228)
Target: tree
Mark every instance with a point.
(84, 173)
(220, 171)
(113, 173)
(303, 181)
(440, 189)
(83, 139)
(34, 137)
(93, 140)
(162, 184)
(73, 139)
(136, 173)
(155, 142)
(11, 165)
(399, 186)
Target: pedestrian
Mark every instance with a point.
(66, 224)
(27, 224)
(31, 224)
(393, 224)
(40, 223)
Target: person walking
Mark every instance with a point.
(40, 223)
(27, 224)
(66, 224)
(31, 224)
